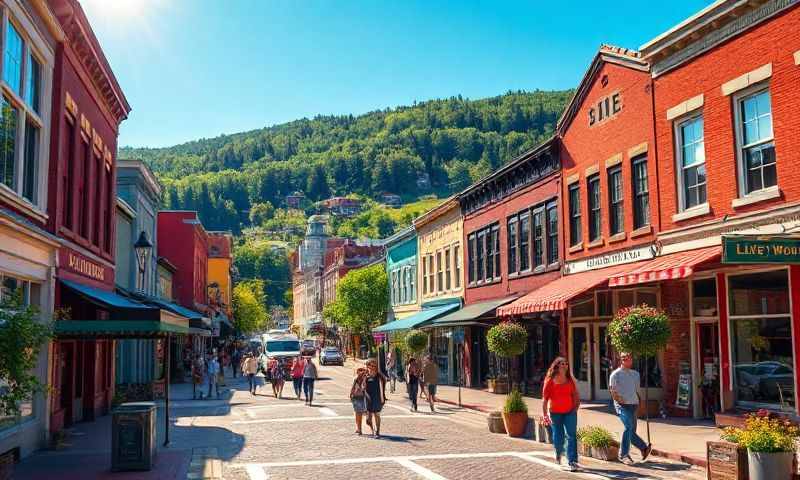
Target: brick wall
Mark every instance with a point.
(774, 41)
(675, 301)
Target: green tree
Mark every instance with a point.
(249, 312)
(363, 297)
(261, 212)
(318, 188)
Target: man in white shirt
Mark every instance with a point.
(624, 387)
(212, 371)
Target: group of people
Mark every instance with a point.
(302, 372)
(560, 402)
(420, 379)
(368, 395)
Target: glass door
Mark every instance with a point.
(605, 359)
(708, 360)
(580, 359)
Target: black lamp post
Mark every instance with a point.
(142, 247)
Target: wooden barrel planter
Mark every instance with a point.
(726, 461)
(495, 421)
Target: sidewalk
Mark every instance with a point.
(682, 439)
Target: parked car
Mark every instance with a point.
(309, 348)
(331, 356)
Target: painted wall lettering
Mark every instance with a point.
(605, 108)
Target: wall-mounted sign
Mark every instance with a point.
(605, 109)
(760, 249)
(80, 264)
(610, 259)
(684, 391)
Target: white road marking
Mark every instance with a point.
(327, 412)
(529, 456)
(348, 461)
(420, 470)
(256, 473)
(314, 419)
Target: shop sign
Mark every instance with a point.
(611, 259)
(760, 249)
(75, 262)
(684, 391)
(379, 337)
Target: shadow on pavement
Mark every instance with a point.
(400, 438)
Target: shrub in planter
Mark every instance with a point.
(515, 414)
(597, 442)
(770, 442)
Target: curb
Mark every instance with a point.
(698, 462)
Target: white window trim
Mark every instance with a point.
(797, 57)
(747, 79)
(687, 106)
(683, 211)
(616, 169)
(739, 134)
(457, 266)
(35, 45)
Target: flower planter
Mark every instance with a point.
(501, 386)
(609, 454)
(515, 423)
(495, 421)
(770, 466)
(726, 461)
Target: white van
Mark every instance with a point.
(284, 346)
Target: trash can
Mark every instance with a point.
(133, 436)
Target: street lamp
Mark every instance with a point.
(142, 248)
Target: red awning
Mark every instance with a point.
(554, 295)
(669, 267)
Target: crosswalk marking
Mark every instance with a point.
(256, 473)
(327, 412)
(420, 470)
(340, 417)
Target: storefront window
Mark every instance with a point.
(704, 297)
(761, 336)
(582, 307)
(580, 354)
(604, 306)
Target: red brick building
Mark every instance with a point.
(340, 260)
(512, 236)
(88, 106)
(726, 95)
(184, 242)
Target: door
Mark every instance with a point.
(708, 360)
(581, 359)
(605, 359)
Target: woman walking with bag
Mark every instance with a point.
(309, 376)
(560, 402)
(297, 376)
(412, 381)
(358, 396)
(376, 396)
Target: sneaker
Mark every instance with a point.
(572, 467)
(646, 451)
(626, 460)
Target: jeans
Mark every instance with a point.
(251, 380)
(308, 389)
(413, 390)
(212, 384)
(297, 383)
(627, 414)
(565, 423)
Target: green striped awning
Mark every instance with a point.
(116, 328)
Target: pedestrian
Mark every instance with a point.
(198, 372)
(236, 360)
(358, 396)
(412, 381)
(297, 376)
(276, 377)
(430, 378)
(560, 402)
(391, 370)
(223, 362)
(375, 393)
(309, 377)
(249, 368)
(624, 388)
(212, 374)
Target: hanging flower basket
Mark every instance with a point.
(640, 330)
(507, 339)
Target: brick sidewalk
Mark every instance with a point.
(681, 439)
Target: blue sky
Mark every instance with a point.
(199, 68)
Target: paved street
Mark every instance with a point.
(272, 438)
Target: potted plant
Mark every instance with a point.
(770, 442)
(640, 330)
(506, 340)
(515, 414)
(595, 441)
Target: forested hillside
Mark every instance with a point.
(435, 147)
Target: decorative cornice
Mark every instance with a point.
(718, 35)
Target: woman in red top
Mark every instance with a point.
(297, 375)
(560, 401)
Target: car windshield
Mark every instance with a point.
(331, 350)
(308, 343)
(283, 346)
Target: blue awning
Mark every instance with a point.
(104, 297)
(418, 319)
(175, 308)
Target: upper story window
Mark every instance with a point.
(524, 242)
(755, 141)
(20, 123)
(457, 262)
(424, 275)
(484, 255)
(439, 272)
(616, 212)
(691, 162)
(593, 184)
(537, 243)
(513, 224)
(447, 270)
(552, 233)
(641, 193)
(574, 214)
(431, 286)
(538, 237)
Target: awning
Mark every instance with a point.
(104, 298)
(418, 319)
(116, 328)
(470, 314)
(669, 267)
(554, 295)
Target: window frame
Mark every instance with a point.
(594, 211)
(538, 212)
(616, 201)
(575, 227)
(448, 270)
(550, 233)
(637, 209)
(512, 238)
(439, 272)
(738, 100)
(457, 266)
(679, 168)
(485, 255)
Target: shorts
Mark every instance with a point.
(359, 404)
(432, 389)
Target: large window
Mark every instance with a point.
(20, 124)
(447, 270)
(552, 233)
(471, 259)
(538, 237)
(439, 272)
(593, 184)
(641, 193)
(692, 162)
(524, 242)
(761, 338)
(431, 287)
(457, 261)
(424, 275)
(535, 245)
(616, 212)
(484, 258)
(512, 244)
(756, 146)
(574, 214)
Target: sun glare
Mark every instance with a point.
(120, 9)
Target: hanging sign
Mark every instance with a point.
(760, 249)
(684, 391)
